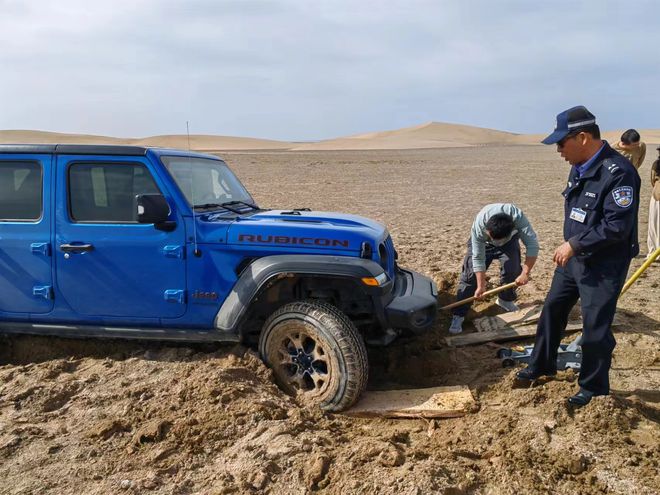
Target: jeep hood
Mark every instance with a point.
(305, 229)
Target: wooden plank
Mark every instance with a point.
(435, 402)
(501, 335)
(514, 318)
(509, 333)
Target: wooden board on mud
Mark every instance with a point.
(501, 335)
(435, 402)
(504, 334)
(525, 316)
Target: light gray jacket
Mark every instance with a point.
(480, 238)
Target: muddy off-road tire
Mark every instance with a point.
(316, 354)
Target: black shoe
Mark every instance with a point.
(530, 374)
(581, 399)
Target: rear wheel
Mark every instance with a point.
(316, 353)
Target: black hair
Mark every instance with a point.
(499, 226)
(592, 129)
(630, 136)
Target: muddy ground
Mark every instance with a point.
(80, 417)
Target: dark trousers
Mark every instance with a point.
(509, 258)
(597, 285)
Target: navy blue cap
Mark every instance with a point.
(570, 121)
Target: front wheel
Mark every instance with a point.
(316, 353)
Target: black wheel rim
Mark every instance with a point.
(303, 362)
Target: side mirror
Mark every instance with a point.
(153, 208)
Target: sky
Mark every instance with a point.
(301, 70)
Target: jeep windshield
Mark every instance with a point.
(209, 184)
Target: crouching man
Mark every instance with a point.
(495, 234)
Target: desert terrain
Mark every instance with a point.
(429, 135)
(97, 417)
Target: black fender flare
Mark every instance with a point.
(262, 270)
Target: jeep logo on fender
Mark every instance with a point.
(284, 239)
(200, 294)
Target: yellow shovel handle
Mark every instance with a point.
(640, 270)
(485, 294)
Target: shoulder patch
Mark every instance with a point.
(623, 196)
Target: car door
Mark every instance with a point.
(107, 264)
(26, 284)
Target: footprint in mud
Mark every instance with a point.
(108, 428)
(58, 398)
(24, 395)
(8, 447)
(56, 368)
(233, 375)
(152, 431)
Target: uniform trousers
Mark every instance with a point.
(597, 285)
(509, 257)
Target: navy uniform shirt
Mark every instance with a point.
(601, 208)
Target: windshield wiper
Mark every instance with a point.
(231, 203)
(208, 206)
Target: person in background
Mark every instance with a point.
(495, 234)
(631, 147)
(653, 239)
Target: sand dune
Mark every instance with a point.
(197, 142)
(44, 137)
(442, 135)
(212, 143)
(428, 135)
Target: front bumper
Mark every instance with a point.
(414, 303)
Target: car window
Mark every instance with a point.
(106, 192)
(21, 186)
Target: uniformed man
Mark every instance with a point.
(600, 234)
(496, 234)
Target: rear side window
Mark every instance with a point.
(21, 186)
(105, 192)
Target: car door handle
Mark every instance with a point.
(76, 248)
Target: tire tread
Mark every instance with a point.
(347, 338)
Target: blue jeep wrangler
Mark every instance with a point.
(132, 242)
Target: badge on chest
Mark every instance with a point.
(578, 215)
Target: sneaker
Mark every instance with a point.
(507, 305)
(456, 326)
